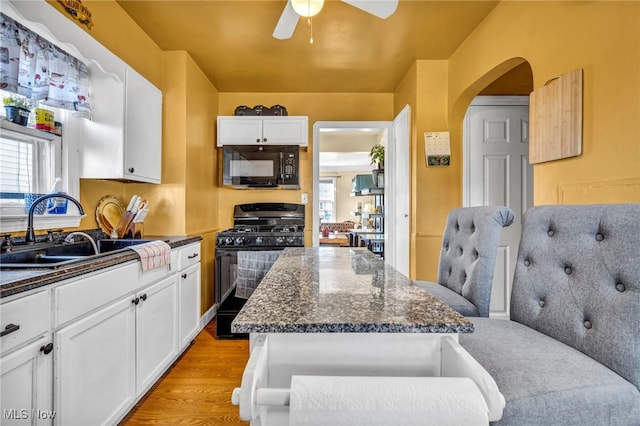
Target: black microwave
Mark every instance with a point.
(261, 166)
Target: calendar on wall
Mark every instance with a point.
(437, 149)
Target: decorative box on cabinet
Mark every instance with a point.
(251, 130)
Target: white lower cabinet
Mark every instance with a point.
(104, 361)
(85, 351)
(156, 331)
(26, 384)
(189, 272)
(95, 366)
(189, 304)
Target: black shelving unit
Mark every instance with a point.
(373, 240)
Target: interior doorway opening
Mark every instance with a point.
(496, 168)
(340, 152)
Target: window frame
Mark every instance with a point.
(334, 182)
(13, 217)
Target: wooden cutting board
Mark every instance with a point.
(555, 118)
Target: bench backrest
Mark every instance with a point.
(578, 280)
(468, 254)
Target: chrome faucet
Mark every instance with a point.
(30, 236)
(69, 239)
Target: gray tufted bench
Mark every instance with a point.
(570, 355)
(468, 258)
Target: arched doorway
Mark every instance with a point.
(496, 170)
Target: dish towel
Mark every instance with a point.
(252, 267)
(154, 254)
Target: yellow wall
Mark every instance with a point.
(603, 39)
(318, 107)
(186, 203)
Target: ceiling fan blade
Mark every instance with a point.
(380, 8)
(287, 23)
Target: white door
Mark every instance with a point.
(397, 193)
(498, 172)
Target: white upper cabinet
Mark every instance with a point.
(143, 129)
(252, 130)
(124, 138)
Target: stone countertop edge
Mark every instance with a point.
(342, 290)
(16, 281)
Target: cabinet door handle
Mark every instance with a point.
(184, 276)
(135, 301)
(144, 297)
(193, 256)
(131, 169)
(46, 349)
(10, 328)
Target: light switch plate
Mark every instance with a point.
(304, 198)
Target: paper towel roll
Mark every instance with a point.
(407, 401)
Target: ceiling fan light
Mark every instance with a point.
(307, 8)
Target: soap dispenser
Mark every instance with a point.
(57, 205)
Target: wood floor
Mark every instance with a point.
(197, 389)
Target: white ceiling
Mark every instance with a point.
(347, 150)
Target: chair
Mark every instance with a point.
(468, 258)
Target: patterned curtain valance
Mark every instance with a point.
(33, 67)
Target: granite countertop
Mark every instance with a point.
(13, 281)
(327, 289)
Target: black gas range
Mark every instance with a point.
(256, 227)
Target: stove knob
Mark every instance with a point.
(239, 241)
(290, 240)
(258, 240)
(228, 241)
(279, 240)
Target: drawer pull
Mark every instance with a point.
(193, 256)
(46, 349)
(144, 297)
(184, 276)
(10, 328)
(135, 301)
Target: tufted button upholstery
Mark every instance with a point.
(582, 271)
(467, 259)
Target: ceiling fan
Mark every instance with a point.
(294, 9)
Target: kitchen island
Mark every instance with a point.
(349, 290)
(325, 316)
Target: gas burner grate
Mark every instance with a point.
(243, 228)
(285, 228)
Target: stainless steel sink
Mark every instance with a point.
(50, 255)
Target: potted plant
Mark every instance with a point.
(17, 109)
(377, 157)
